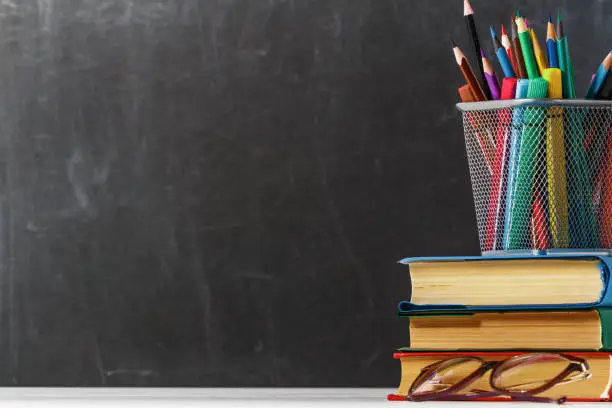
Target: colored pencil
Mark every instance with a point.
(518, 54)
(529, 176)
(468, 14)
(605, 209)
(497, 202)
(527, 48)
(582, 222)
(487, 145)
(539, 233)
(468, 73)
(600, 76)
(551, 44)
(502, 56)
(508, 90)
(605, 91)
(466, 94)
(537, 50)
(565, 61)
(555, 163)
(497, 195)
(513, 160)
(507, 44)
(490, 76)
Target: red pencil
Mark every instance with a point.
(495, 215)
(539, 232)
(466, 94)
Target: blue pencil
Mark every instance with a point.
(502, 56)
(600, 76)
(551, 45)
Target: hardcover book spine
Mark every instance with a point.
(606, 296)
(605, 318)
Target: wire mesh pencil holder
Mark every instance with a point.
(541, 173)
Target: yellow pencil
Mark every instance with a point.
(555, 164)
(537, 50)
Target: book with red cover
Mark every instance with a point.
(595, 388)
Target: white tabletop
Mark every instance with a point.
(222, 397)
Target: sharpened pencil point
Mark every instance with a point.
(492, 32)
(453, 43)
(467, 8)
(549, 18)
(482, 53)
(550, 31)
(518, 13)
(503, 30)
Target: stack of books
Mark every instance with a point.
(535, 328)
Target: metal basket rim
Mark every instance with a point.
(511, 103)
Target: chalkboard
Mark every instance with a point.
(217, 192)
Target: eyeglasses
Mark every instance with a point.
(520, 377)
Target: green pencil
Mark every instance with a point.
(527, 48)
(565, 61)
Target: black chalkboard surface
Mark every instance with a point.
(215, 193)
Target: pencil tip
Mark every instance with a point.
(558, 16)
(492, 31)
(503, 30)
(453, 43)
(549, 18)
(518, 13)
(467, 8)
(513, 28)
(482, 53)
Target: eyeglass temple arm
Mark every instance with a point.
(451, 390)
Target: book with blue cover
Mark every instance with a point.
(464, 285)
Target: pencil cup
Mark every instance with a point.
(541, 172)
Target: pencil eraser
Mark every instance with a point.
(555, 84)
(538, 88)
(521, 88)
(508, 88)
(466, 94)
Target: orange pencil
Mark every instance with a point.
(466, 94)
